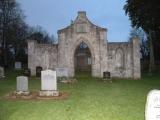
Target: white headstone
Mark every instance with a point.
(48, 80)
(1, 72)
(18, 65)
(48, 83)
(62, 72)
(152, 111)
(22, 83)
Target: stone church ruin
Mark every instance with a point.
(83, 46)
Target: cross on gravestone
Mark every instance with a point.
(48, 83)
(152, 111)
(62, 72)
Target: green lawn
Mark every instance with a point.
(90, 99)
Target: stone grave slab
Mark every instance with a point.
(22, 85)
(152, 111)
(18, 65)
(62, 72)
(48, 83)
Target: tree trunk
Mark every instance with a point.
(151, 62)
(4, 48)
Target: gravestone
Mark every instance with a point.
(106, 75)
(152, 111)
(18, 65)
(1, 72)
(62, 72)
(22, 85)
(48, 83)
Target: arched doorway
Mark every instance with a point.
(82, 58)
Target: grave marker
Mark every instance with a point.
(152, 111)
(22, 85)
(62, 72)
(48, 83)
(18, 65)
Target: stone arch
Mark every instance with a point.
(86, 41)
(119, 58)
(82, 58)
(73, 49)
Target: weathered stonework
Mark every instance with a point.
(44, 55)
(121, 59)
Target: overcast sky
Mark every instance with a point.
(53, 15)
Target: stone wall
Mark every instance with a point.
(121, 59)
(44, 55)
(136, 58)
(124, 59)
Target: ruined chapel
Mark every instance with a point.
(83, 46)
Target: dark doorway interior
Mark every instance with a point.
(82, 58)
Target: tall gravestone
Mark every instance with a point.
(48, 83)
(152, 111)
(1, 72)
(22, 85)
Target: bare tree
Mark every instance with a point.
(11, 27)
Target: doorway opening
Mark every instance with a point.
(83, 58)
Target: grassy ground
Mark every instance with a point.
(90, 99)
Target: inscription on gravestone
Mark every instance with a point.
(62, 72)
(152, 111)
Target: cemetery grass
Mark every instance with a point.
(90, 99)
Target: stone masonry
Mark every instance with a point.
(122, 59)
